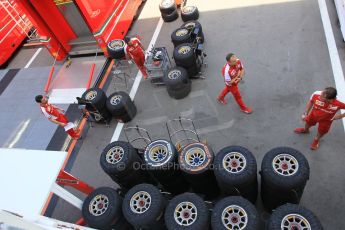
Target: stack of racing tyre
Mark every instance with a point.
(188, 40)
(102, 209)
(116, 49)
(168, 10)
(284, 174)
(121, 106)
(236, 172)
(196, 161)
(161, 161)
(189, 13)
(96, 104)
(177, 82)
(120, 160)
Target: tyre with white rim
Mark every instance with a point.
(167, 6)
(195, 161)
(284, 174)
(180, 36)
(176, 78)
(161, 160)
(102, 210)
(235, 169)
(292, 216)
(187, 211)
(116, 49)
(189, 13)
(143, 207)
(96, 97)
(235, 212)
(194, 26)
(122, 163)
(184, 55)
(170, 17)
(121, 106)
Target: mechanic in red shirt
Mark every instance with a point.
(233, 72)
(321, 109)
(55, 115)
(136, 52)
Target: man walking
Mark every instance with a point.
(233, 73)
(55, 115)
(321, 109)
(135, 51)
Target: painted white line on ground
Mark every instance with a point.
(33, 58)
(137, 80)
(333, 53)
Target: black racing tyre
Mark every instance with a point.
(195, 162)
(167, 6)
(116, 49)
(143, 207)
(236, 172)
(170, 17)
(285, 168)
(184, 55)
(187, 211)
(284, 174)
(292, 216)
(96, 97)
(176, 77)
(161, 160)
(235, 212)
(102, 209)
(190, 25)
(180, 36)
(118, 157)
(122, 163)
(180, 93)
(189, 13)
(118, 103)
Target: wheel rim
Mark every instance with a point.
(117, 44)
(185, 213)
(174, 74)
(91, 95)
(234, 217)
(188, 9)
(99, 205)
(158, 153)
(166, 3)
(285, 164)
(115, 100)
(181, 32)
(295, 222)
(114, 155)
(184, 49)
(195, 157)
(140, 202)
(234, 162)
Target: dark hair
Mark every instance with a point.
(38, 98)
(229, 56)
(127, 39)
(330, 93)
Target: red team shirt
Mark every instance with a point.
(323, 111)
(230, 72)
(135, 49)
(52, 113)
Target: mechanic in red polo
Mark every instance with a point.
(321, 109)
(55, 115)
(135, 51)
(233, 73)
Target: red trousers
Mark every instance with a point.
(71, 132)
(139, 60)
(235, 92)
